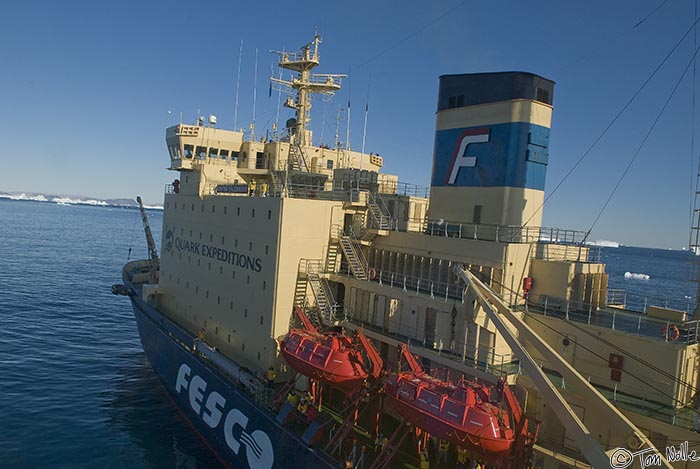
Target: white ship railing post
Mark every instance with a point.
(589, 314)
(639, 324)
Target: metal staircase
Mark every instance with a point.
(324, 297)
(300, 289)
(277, 182)
(380, 217)
(297, 162)
(353, 255)
(332, 257)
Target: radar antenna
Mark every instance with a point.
(152, 252)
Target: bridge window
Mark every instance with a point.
(189, 150)
(201, 152)
(234, 155)
(223, 154)
(329, 164)
(543, 96)
(213, 152)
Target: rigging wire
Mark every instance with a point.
(610, 344)
(693, 266)
(612, 122)
(612, 40)
(411, 35)
(641, 145)
(627, 372)
(693, 200)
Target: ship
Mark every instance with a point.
(421, 325)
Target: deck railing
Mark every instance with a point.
(613, 318)
(481, 357)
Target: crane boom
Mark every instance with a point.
(152, 252)
(500, 315)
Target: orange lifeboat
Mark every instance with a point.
(461, 413)
(329, 357)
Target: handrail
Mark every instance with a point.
(385, 218)
(358, 249)
(613, 318)
(480, 357)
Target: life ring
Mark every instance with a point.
(372, 273)
(671, 333)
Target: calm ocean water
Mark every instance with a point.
(77, 390)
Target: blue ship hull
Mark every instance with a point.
(240, 433)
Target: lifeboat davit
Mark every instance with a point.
(330, 357)
(461, 413)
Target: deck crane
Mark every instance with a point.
(152, 252)
(501, 315)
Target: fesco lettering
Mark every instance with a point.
(210, 408)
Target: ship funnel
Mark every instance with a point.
(491, 148)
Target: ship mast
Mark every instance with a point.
(304, 84)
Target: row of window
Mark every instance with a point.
(261, 160)
(228, 338)
(213, 209)
(201, 153)
(223, 241)
(221, 269)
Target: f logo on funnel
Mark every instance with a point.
(460, 158)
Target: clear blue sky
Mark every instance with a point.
(86, 87)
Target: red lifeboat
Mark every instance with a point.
(462, 414)
(330, 357)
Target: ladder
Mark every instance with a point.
(324, 296)
(300, 290)
(380, 217)
(332, 257)
(354, 257)
(297, 162)
(277, 182)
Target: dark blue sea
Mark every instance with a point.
(76, 388)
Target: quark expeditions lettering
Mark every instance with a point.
(221, 255)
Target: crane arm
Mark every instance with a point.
(499, 314)
(152, 251)
(377, 362)
(308, 325)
